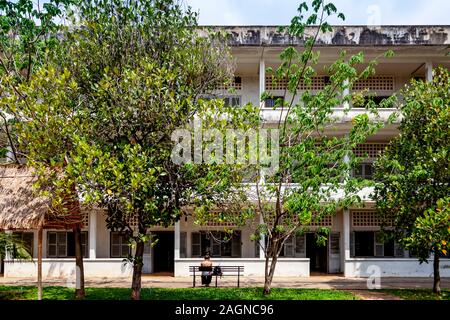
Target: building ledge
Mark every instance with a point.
(407, 35)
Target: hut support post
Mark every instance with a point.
(39, 273)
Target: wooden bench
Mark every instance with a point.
(226, 271)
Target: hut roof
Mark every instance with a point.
(20, 206)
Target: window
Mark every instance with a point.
(119, 245)
(294, 246)
(363, 170)
(364, 244)
(236, 84)
(28, 239)
(371, 244)
(271, 102)
(62, 244)
(216, 243)
(232, 101)
(183, 239)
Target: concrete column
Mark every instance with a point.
(429, 71)
(346, 232)
(262, 241)
(262, 78)
(177, 241)
(92, 235)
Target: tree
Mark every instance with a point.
(107, 102)
(11, 243)
(29, 32)
(312, 179)
(414, 173)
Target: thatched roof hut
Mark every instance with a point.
(20, 207)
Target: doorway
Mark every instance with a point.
(163, 252)
(318, 255)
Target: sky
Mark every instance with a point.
(357, 12)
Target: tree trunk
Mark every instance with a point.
(268, 273)
(137, 271)
(39, 266)
(437, 276)
(79, 283)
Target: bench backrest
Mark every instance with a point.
(224, 269)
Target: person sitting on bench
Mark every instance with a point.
(206, 269)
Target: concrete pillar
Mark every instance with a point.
(346, 232)
(177, 241)
(262, 78)
(92, 235)
(429, 71)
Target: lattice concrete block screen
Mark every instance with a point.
(235, 84)
(371, 150)
(214, 222)
(377, 83)
(318, 83)
(220, 224)
(133, 222)
(85, 219)
(367, 218)
(324, 222)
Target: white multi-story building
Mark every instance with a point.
(354, 242)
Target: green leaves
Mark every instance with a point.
(415, 171)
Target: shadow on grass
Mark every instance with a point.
(418, 294)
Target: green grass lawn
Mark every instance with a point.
(418, 294)
(62, 293)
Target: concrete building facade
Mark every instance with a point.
(354, 247)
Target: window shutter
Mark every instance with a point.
(379, 245)
(334, 243)
(115, 245)
(196, 244)
(124, 247)
(257, 249)
(51, 244)
(61, 240)
(236, 244)
(147, 247)
(289, 247)
(398, 251)
(300, 251)
(352, 244)
(215, 244)
(182, 244)
(84, 243)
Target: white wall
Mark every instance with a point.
(295, 267)
(63, 268)
(394, 267)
